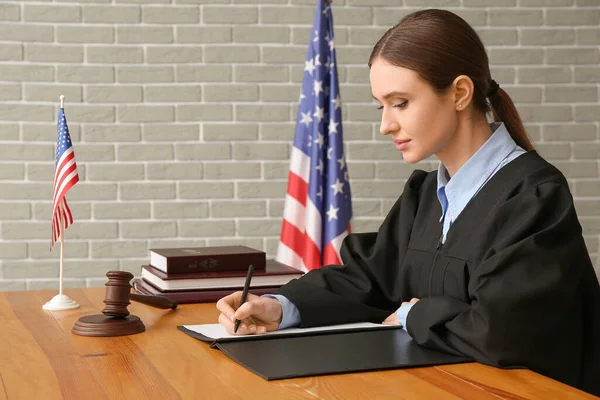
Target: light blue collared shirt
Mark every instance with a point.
(453, 195)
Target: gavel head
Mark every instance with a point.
(118, 292)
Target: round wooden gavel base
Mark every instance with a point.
(103, 325)
(115, 320)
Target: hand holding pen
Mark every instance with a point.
(244, 294)
(244, 313)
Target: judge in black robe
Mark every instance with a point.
(512, 286)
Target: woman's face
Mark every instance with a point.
(420, 121)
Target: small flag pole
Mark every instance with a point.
(62, 248)
(61, 301)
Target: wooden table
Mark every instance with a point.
(41, 359)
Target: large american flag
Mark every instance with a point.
(65, 176)
(318, 206)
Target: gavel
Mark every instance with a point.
(118, 294)
(115, 319)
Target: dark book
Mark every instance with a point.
(201, 259)
(274, 274)
(195, 296)
(336, 349)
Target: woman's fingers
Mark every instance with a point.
(252, 328)
(412, 301)
(249, 308)
(228, 304)
(251, 314)
(392, 319)
(230, 325)
(247, 326)
(226, 322)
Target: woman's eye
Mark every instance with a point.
(401, 105)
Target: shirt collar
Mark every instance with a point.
(476, 171)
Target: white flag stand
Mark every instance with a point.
(61, 301)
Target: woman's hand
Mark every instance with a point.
(257, 314)
(393, 318)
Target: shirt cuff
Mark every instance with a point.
(402, 313)
(290, 315)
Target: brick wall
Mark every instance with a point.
(182, 113)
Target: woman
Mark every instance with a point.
(484, 257)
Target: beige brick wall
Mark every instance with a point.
(182, 115)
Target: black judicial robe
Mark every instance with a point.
(512, 286)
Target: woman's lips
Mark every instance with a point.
(401, 144)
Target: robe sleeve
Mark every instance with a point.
(364, 288)
(524, 291)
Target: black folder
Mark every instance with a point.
(328, 352)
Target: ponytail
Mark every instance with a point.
(505, 111)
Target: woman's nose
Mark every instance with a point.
(388, 123)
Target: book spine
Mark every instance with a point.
(214, 263)
(200, 296)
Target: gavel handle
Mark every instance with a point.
(154, 301)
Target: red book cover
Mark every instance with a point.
(200, 259)
(195, 296)
(274, 274)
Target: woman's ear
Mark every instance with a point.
(462, 90)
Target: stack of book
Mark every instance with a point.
(205, 274)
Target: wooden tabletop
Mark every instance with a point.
(41, 359)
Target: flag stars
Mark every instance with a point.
(338, 187)
(320, 166)
(332, 212)
(306, 119)
(333, 126)
(337, 101)
(342, 162)
(318, 87)
(309, 66)
(320, 140)
(329, 151)
(319, 113)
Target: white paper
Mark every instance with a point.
(218, 331)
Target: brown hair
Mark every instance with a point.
(439, 46)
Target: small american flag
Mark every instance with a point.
(318, 208)
(65, 177)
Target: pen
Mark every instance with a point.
(244, 294)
